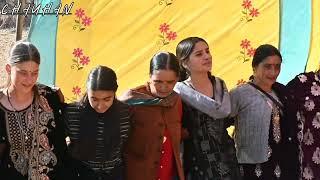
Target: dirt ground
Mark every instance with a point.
(7, 39)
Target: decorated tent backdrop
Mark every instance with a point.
(124, 34)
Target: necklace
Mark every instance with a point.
(19, 119)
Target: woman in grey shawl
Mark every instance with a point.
(209, 152)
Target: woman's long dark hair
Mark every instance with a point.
(183, 52)
(261, 53)
(164, 61)
(100, 78)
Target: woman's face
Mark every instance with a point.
(23, 76)
(267, 71)
(162, 82)
(200, 59)
(100, 100)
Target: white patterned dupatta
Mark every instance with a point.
(217, 108)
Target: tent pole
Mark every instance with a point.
(20, 20)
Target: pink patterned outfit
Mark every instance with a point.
(305, 89)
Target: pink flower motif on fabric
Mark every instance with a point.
(254, 12)
(164, 28)
(251, 52)
(77, 52)
(308, 138)
(79, 13)
(86, 21)
(307, 173)
(248, 12)
(166, 35)
(316, 121)
(316, 156)
(246, 4)
(76, 90)
(315, 89)
(246, 52)
(82, 21)
(171, 36)
(84, 60)
(245, 44)
(80, 60)
(309, 105)
(302, 78)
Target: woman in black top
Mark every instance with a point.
(32, 144)
(209, 152)
(98, 126)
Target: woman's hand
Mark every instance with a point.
(59, 93)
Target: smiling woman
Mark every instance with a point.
(32, 142)
(7, 40)
(264, 127)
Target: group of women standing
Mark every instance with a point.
(172, 127)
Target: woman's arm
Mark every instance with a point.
(204, 103)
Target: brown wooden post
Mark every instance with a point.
(20, 20)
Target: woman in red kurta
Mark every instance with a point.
(167, 168)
